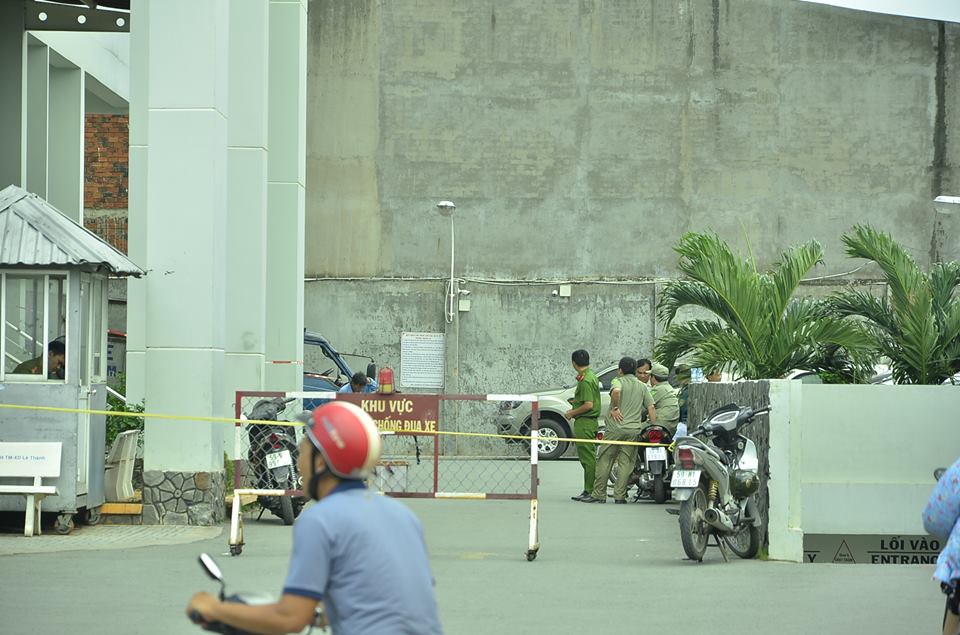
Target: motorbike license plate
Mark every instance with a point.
(656, 454)
(279, 459)
(685, 478)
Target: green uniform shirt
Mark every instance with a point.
(588, 389)
(29, 367)
(666, 402)
(635, 400)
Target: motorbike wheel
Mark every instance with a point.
(746, 542)
(694, 531)
(286, 510)
(659, 490)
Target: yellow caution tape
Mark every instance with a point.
(148, 415)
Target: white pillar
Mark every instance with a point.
(178, 203)
(286, 194)
(246, 232)
(12, 45)
(784, 521)
(36, 138)
(65, 147)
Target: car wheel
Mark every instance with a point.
(549, 446)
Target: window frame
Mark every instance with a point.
(45, 275)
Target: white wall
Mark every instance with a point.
(868, 455)
(855, 460)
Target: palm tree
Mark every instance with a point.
(919, 327)
(759, 331)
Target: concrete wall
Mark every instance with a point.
(868, 455)
(580, 139)
(854, 463)
(513, 338)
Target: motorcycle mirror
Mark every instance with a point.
(372, 371)
(210, 566)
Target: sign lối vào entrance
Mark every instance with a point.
(870, 549)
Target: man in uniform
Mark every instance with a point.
(665, 398)
(56, 354)
(628, 400)
(584, 412)
(643, 370)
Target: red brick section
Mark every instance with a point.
(106, 163)
(111, 229)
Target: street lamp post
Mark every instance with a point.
(446, 209)
(451, 374)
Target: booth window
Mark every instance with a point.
(33, 313)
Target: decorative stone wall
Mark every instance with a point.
(183, 498)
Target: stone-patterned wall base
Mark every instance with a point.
(183, 498)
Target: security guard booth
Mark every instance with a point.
(53, 307)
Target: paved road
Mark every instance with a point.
(602, 569)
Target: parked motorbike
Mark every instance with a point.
(272, 459)
(715, 475)
(210, 566)
(654, 465)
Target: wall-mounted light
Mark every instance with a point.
(947, 204)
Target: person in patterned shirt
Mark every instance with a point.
(940, 520)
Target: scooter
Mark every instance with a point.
(654, 465)
(715, 477)
(210, 566)
(272, 459)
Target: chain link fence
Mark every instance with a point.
(434, 446)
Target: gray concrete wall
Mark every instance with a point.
(513, 338)
(580, 139)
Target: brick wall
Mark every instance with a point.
(111, 227)
(106, 165)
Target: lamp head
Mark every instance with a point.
(446, 207)
(947, 204)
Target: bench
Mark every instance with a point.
(30, 460)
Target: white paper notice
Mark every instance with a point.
(421, 360)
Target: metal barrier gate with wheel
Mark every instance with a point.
(426, 453)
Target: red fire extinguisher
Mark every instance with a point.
(385, 381)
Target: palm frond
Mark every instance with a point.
(808, 329)
(918, 340)
(944, 279)
(901, 272)
(682, 338)
(708, 260)
(726, 350)
(793, 266)
(848, 303)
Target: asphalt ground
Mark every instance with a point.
(601, 569)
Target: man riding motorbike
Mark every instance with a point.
(362, 554)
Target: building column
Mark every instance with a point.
(65, 144)
(246, 233)
(178, 210)
(286, 176)
(12, 38)
(37, 132)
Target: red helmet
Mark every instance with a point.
(347, 437)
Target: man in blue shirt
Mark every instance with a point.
(361, 554)
(359, 383)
